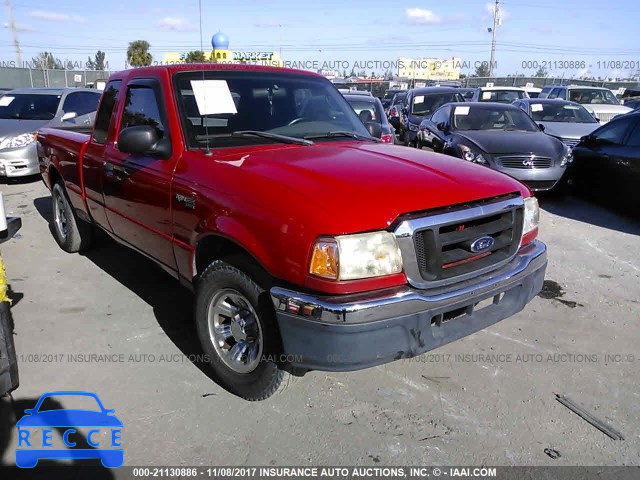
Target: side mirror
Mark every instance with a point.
(405, 111)
(69, 116)
(443, 127)
(374, 128)
(588, 140)
(143, 139)
(541, 126)
(597, 119)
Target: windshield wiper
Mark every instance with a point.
(270, 136)
(344, 133)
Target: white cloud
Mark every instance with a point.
(502, 13)
(422, 16)
(175, 23)
(56, 17)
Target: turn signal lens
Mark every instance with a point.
(325, 260)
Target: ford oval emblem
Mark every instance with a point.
(481, 244)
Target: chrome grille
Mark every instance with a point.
(437, 248)
(570, 142)
(526, 162)
(606, 117)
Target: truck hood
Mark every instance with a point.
(362, 185)
(499, 142)
(569, 130)
(12, 127)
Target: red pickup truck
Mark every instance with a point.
(310, 245)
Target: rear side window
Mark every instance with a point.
(81, 103)
(141, 108)
(103, 117)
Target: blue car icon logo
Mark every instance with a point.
(36, 429)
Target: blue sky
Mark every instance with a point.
(594, 32)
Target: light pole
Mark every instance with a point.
(493, 39)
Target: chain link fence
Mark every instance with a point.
(11, 77)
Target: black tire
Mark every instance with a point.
(418, 144)
(72, 234)
(8, 364)
(265, 378)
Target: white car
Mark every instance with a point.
(598, 100)
(499, 94)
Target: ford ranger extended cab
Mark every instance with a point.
(309, 244)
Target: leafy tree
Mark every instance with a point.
(482, 70)
(196, 56)
(541, 73)
(138, 53)
(97, 63)
(46, 61)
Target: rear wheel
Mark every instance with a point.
(238, 331)
(71, 233)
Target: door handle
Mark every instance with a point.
(115, 171)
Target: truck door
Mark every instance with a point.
(100, 147)
(137, 188)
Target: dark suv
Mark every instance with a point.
(420, 104)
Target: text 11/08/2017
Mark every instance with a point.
(581, 64)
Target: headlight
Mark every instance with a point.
(18, 141)
(413, 128)
(567, 156)
(471, 156)
(351, 257)
(531, 215)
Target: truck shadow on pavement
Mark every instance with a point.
(10, 412)
(583, 210)
(171, 302)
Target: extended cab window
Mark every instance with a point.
(103, 117)
(141, 108)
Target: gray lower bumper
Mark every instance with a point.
(19, 162)
(351, 332)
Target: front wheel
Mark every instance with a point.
(71, 233)
(238, 331)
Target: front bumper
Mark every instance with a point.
(19, 162)
(536, 178)
(352, 332)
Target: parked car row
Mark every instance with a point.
(23, 111)
(531, 139)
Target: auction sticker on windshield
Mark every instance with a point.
(461, 111)
(5, 101)
(213, 96)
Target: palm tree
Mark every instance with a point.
(138, 53)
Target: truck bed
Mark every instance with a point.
(67, 146)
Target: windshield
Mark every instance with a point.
(470, 117)
(593, 96)
(29, 106)
(425, 105)
(367, 111)
(553, 112)
(214, 104)
(501, 96)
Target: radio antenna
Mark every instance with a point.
(202, 117)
